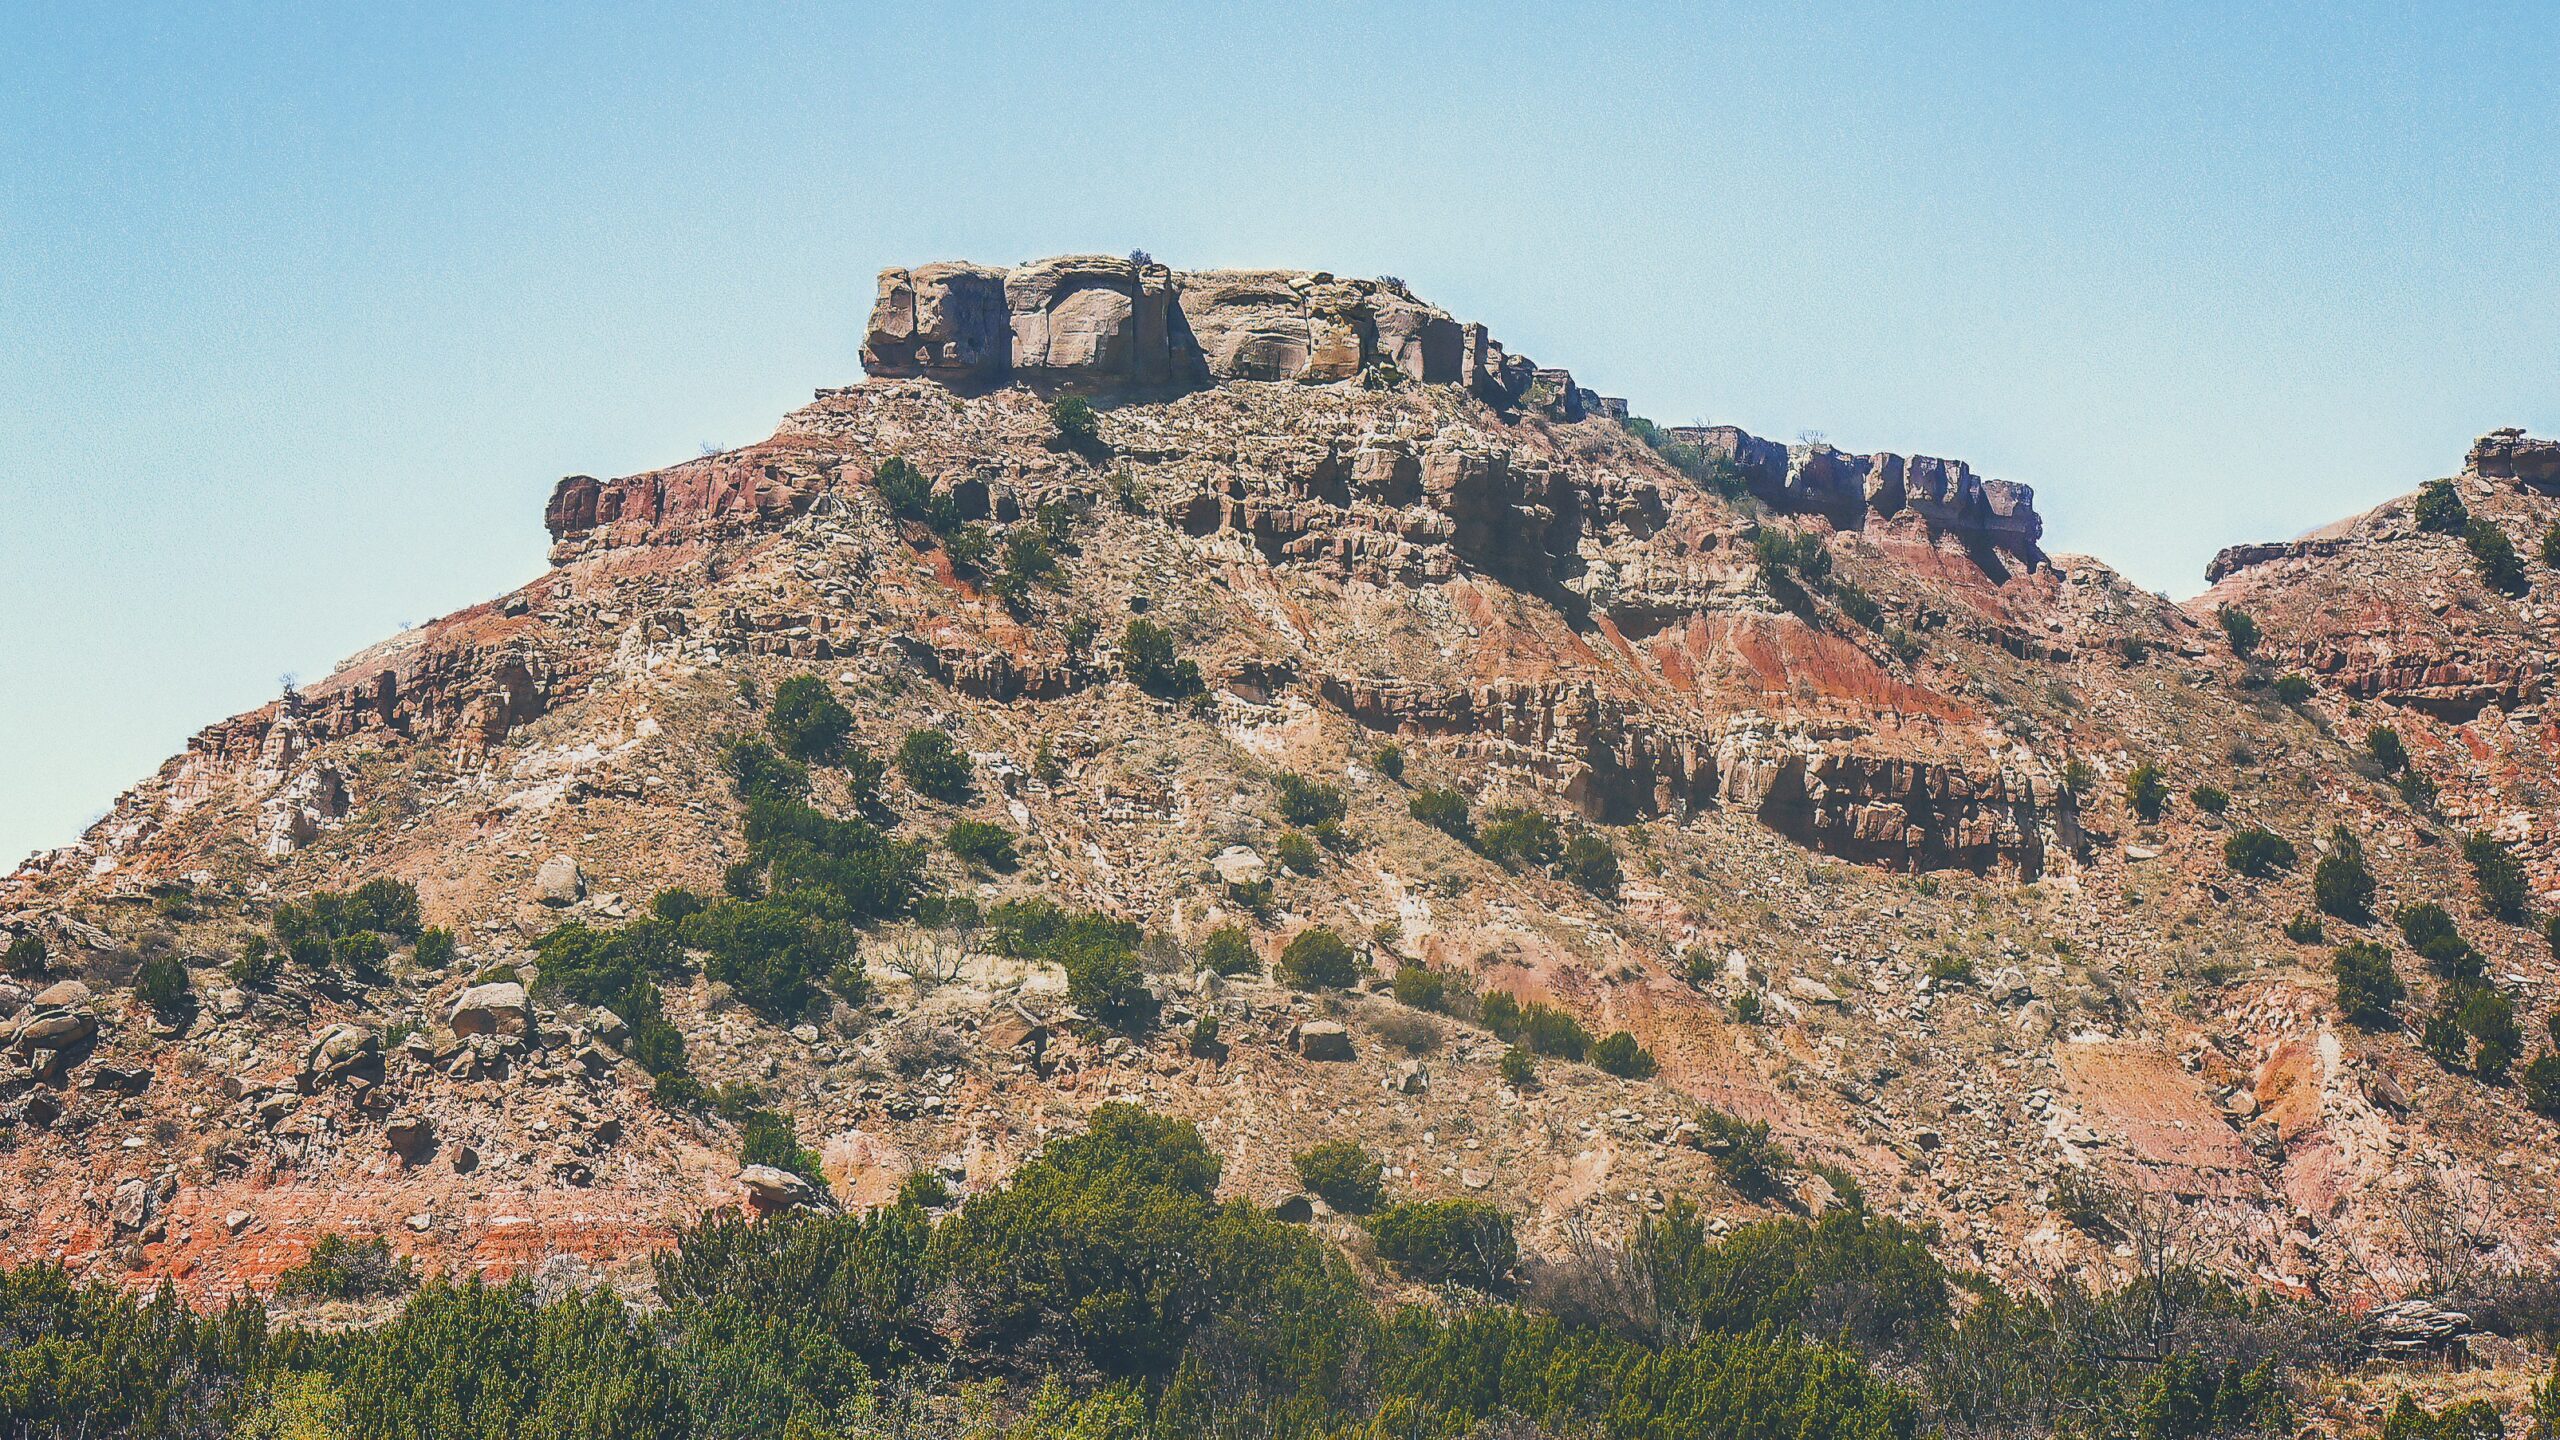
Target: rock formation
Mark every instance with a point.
(1860, 757)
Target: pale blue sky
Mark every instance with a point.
(302, 310)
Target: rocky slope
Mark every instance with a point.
(1859, 745)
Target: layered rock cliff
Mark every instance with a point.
(1861, 753)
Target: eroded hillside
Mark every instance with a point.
(1868, 765)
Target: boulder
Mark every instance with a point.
(1811, 991)
(770, 1189)
(1321, 1040)
(559, 882)
(409, 1135)
(339, 1052)
(60, 995)
(497, 1008)
(1238, 865)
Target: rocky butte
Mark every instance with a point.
(1865, 815)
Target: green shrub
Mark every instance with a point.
(1229, 951)
(2305, 930)
(2499, 874)
(1444, 810)
(1389, 761)
(2211, 799)
(675, 904)
(433, 949)
(2146, 791)
(808, 722)
(923, 1190)
(1591, 863)
(970, 548)
(2294, 689)
(1343, 1175)
(1539, 1027)
(983, 845)
(1317, 959)
(2551, 557)
(2383, 743)
(2489, 1018)
(1748, 1007)
(1618, 1053)
(2430, 932)
(162, 984)
(1148, 658)
(1074, 424)
(1103, 976)
(1750, 1162)
(2340, 885)
(26, 958)
(2501, 569)
(2240, 629)
(769, 952)
(257, 966)
(2465, 1420)
(1448, 1242)
(2077, 776)
(2540, 1082)
(1303, 801)
(1298, 853)
(771, 1139)
(341, 1269)
(2257, 853)
(1421, 987)
(1519, 1068)
(2369, 988)
(910, 496)
(756, 772)
(2439, 510)
(933, 766)
(1516, 835)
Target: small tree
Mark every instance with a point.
(2369, 988)
(2340, 885)
(2146, 791)
(2257, 853)
(2383, 744)
(2439, 510)
(1343, 1175)
(983, 846)
(1298, 853)
(2211, 799)
(1518, 835)
(161, 983)
(1389, 761)
(1442, 1242)
(2499, 874)
(1591, 863)
(2501, 569)
(1318, 959)
(1444, 810)
(1149, 659)
(1229, 951)
(1075, 424)
(935, 766)
(2540, 1082)
(2240, 629)
(808, 722)
(1618, 1053)
(1519, 1068)
(1306, 802)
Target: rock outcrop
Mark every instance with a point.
(1098, 322)
(1851, 490)
(2511, 454)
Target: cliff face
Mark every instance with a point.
(1859, 747)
